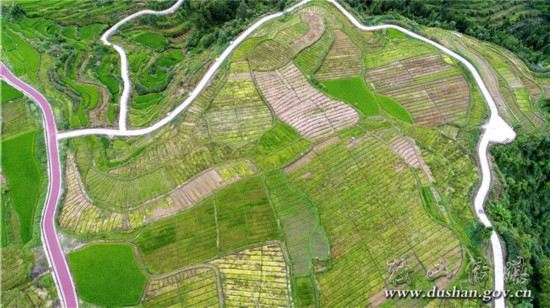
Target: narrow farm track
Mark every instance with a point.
(496, 130)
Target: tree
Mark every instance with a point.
(242, 11)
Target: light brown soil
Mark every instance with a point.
(316, 29)
(297, 103)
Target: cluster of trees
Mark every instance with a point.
(526, 34)
(219, 21)
(521, 210)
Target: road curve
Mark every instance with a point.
(124, 72)
(496, 130)
(56, 258)
(200, 86)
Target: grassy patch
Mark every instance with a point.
(22, 171)
(9, 93)
(394, 108)
(237, 216)
(353, 91)
(152, 40)
(393, 33)
(107, 274)
(305, 291)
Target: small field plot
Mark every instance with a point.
(353, 91)
(297, 103)
(396, 50)
(107, 274)
(316, 29)
(15, 119)
(152, 40)
(9, 93)
(270, 55)
(298, 221)
(430, 89)
(343, 59)
(237, 216)
(189, 288)
(22, 170)
(255, 277)
(309, 59)
(128, 192)
(238, 115)
(373, 214)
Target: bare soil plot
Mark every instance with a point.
(343, 59)
(430, 89)
(316, 29)
(297, 103)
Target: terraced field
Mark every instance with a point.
(192, 287)
(277, 186)
(255, 277)
(430, 88)
(303, 107)
(367, 240)
(343, 59)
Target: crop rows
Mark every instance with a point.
(237, 216)
(343, 59)
(270, 55)
(238, 115)
(309, 59)
(331, 20)
(241, 52)
(396, 50)
(189, 288)
(293, 33)
(239, 70)
(298, 221)
(316, 29)
(372, 214)
(430, 100)
(176, 142)
(80, 215)
(15, 118)
(123, 193)
(271, 29)
(313, 114)
(449, 167)
(201, 186)
(407, 150)
(511, 82)
(255, 277)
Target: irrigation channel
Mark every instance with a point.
(495, 130)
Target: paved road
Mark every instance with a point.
(123, 102)
(56, 258)
(496, 130)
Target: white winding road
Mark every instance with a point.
(496, 130)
